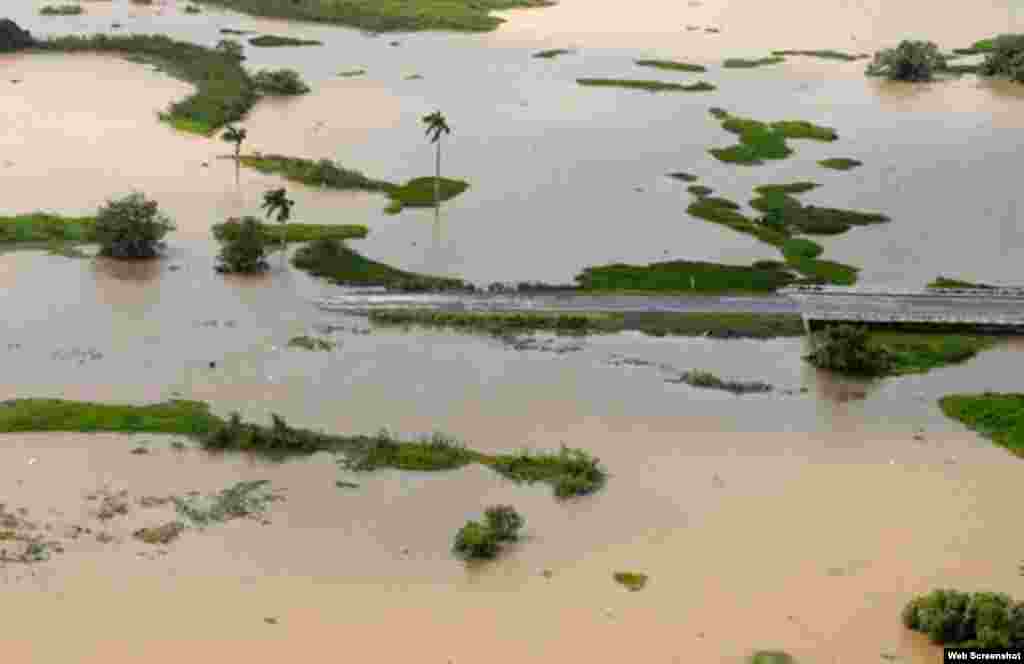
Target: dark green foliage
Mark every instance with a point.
(553, 53)
(437, 452)
(649, 86)
(685, 177)
(297, 232)
(678, 276)
(131, 227)
(351, 73)
(827, 54)
(968, 620)
(996, 416)
(192, 9)
(1005, 58)
(845, 349)
(493, 322)
(332, 259)
(910, 61)
(804, 129)
(946, 282)
(802, 247)
(791, 188)
(917, 353)
(760, 141)
(771, 657)
(840, 163)
(708, 380)
(633, 580)
(475, 541)
(387, 15)
(274, 40)
(977, 48)
(700, 190)
(572, 472)
(61, 10)
(504, 521)
(230, 48)
(822, 271)
(743, 63)
(322, 173)
(419, 192)
(724, 212)
(224, 94)
(793, 216)
(671, 65)
(40, 227)
(280, 82)
(243, 245)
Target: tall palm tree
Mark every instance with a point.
(236, 135)
(277, 201)
(436, 127)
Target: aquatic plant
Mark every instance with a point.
(322, 173)
(840, 163)
(494, 322)
(375, 16)
(967, 620)
(910, 61)
(131, 227)
(281, 82)
(846, 349)
(685, 177)
(919, 353)
(275, 40)
(352, 72)
(243, 246)
(649, 86)
(230, 48)
(744, 63)
(671, 65)
(771, 657)
(572, 472)
(725, 212)
(43, 227)
(224, 91)
(423, 192)
(634, 581)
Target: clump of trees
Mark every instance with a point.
(283, 82)
(484, 540)
(910, 61)
(979, 620)
(1006, 58)
(847, 349)
(131, 227)
(243, 246)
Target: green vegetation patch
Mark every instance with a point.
(947, 282)
(827, 54)
(297, 232)
(708, 380)
(634, 581)
(61, 10)
(791, 188)
(700, 190)
(801, 247)
(494, 322)
(967, 620)
(352, 73)
(419, 192)
(671, 65)
(478, 540)
(743, 63)
(684, 177)
(823, 271)
(43, 227)
(1005, 57)
(322, 173)
(310, 343)
(334, 260)
(760, 141)
(682, 276)
(840, 163)
(569, 471)
(224, 91)
(999, 417)
(790, 215)
(275, 40)
(553, 53)
(387, 15)
(649, 86)
(772, 657)
(724, 212)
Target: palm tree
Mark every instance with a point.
(277, 201)
(436, 127)
(236, 135)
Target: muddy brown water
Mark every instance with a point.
(798, 520)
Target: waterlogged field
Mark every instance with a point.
(800, 518)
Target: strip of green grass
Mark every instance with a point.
(724, 212)
(334, 260)
(918, 353)
(840, 163)
(419, 192)
(275, 40)
(387, 15)
(649, 86)
(45, 227)
(569, 471)
(827, 54)
(494, 322)
(61, 10)
(999, 417)
(822, 271)
(791, 188)
(671, 65)
(299, 232)
(553, 53)
(224, 94)
(682, 276)
(946, 282)
(744, 63)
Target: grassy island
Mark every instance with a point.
(389, 15)
(760, 141)
(671, 65)
(275, 40)
(826, 54)
(334, 260)
(649, 86)
(744, 63)
(999, 417)
(569, 471)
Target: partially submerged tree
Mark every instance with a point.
(847, 349)
(276, 201)
(483, 540)
(243, 246)
(437, 126)
(1006, 58)
(284, 82)
(131, 227)
(910, 61)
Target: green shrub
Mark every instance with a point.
(1006, 58)
(131, 227)
(971, 620)
(910, 61)
(846, 349)
(572, 472)
(192, 9)
(282, 82)
(483, 540)
(243, 245)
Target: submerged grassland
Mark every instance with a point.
(570, 472)
(334, 260)
(387, 15)
(999, 417)
(647, 85)
(225, 91)
(760, 141)
(671, 65)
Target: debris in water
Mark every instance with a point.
(270, 621)
(164, 534)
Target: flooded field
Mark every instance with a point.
(801, 520)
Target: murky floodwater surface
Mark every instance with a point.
(801, 520)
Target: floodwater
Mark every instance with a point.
(802, 520)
